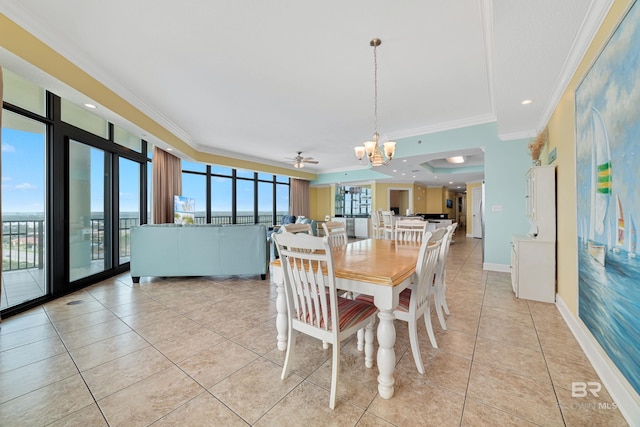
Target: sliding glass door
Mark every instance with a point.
(89, 241)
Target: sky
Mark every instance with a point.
(24, 187)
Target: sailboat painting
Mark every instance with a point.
(608, 197)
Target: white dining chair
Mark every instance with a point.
(409, 230)
(376, 227)
(387, 224)
(308, 275)
(415, 300)
(336, 232)
(439, 282)
(298, 228)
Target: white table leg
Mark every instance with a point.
(281, 318)
(386, 354)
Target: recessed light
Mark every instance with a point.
(435, 177)
(527, 101)
(455, 159)
(404, 160)
(403, 174)
(169, 149)
(450, 182)
(395, 170)
(90, 105)
(458, 186)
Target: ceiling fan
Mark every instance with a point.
(299, 161)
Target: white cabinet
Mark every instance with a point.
(533, 256)
(541, 201)
(362, 227)
(533, 268)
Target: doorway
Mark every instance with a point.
(400, 200)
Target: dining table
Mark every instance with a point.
(377, 267)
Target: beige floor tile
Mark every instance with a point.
(477, 414)
(150, 399)
(564, 371)
(88, 305)
(261, 339)
(308, 356)
(87, 416)
(505, 302)
(589, 410)
(518, 360)
(30, 353)
(94, 333)
(464, 322)
(561, 344)
(26, 336)
(509, 332)
(180, 346)
(514, 394)
(211, 366)
(454, 342)
(104, 351)
(357, 384)
(202, 410)
(39, 374)
(417, 402)
(238, 391)
(308, 405)
(47, 404)
(83, 321)
(26, 320)
(440, 368)
(120, 373)
(370, 420)
(133, 308)
(166, 329)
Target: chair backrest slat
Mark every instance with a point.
(425, 268)
(308, 273)
(410, 230)
(336, 232)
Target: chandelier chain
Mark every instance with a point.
(375, 85)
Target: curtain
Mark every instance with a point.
(167, 182)
(1, 103)
(299, 199)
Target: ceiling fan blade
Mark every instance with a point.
(315, 162)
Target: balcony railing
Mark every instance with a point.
(23, 241)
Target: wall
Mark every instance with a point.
(434, 200)
(562, 137)
(419, 198)
(320, 202)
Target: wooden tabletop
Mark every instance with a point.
(374, 260)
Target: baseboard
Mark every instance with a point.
(502, 268)
(621, 393)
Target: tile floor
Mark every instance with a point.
(202, 351)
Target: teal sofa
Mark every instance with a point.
(198, 250)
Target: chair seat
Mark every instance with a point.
(350, 312)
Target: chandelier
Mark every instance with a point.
(375, 153)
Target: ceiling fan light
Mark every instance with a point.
(298, 165)
(455, 159)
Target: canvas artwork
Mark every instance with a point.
(608, 197)
(184, 210)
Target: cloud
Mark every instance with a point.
(25, 186)
(6, 178)
(6, 148)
